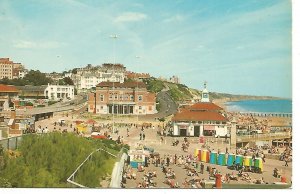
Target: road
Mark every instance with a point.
(167, 106)
(57, 107)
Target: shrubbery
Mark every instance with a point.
(48, 160)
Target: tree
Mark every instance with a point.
(37, 78)
(74, 71)
(66, 81)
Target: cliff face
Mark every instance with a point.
(180, 92)
(232, 97)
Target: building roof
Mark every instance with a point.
(122, 85)
(5, 61)
(208, 106)
(32, 88)
(188, 115)
(7, 88)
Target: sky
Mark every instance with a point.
(238, 47)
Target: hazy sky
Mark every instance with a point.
(237, 46)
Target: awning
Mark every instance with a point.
(182, 126)
(209, 127)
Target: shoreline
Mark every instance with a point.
(222, 104)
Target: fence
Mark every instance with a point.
(267, 114)
(115, 173)
(11, 143)
(268, 136)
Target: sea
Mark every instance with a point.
(272, 106)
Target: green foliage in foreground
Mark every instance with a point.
(48, 160)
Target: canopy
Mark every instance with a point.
(91, 121)
(78, 122)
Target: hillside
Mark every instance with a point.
(181, 93)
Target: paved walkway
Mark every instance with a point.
(165, 147)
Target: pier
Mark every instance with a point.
(267, 114)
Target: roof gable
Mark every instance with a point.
(208, 106)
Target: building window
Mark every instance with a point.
(110, 97)
(140, 97)
(131, 97)
(101, 97)
(116, 97)
(140, 107)
(101, 107)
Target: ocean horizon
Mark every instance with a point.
(272, 106)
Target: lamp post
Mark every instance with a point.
(137, 88)
(114, 37)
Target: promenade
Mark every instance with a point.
(165, 148)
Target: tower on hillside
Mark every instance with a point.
(205, 94)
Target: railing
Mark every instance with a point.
(269, 136)
(72, 176)
(267, 114)
(11, 143)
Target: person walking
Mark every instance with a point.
(286, 161)
(263, 157)
(168, 161)
(201, 168)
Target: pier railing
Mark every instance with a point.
(267, 114)
(263, 137)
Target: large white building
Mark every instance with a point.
(89, 77)
(56, 92)
(201, 119)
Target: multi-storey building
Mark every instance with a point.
(53, 92)
(175, 79)
(133, 75)
(122, 98)
(9, 69)
(88, 77)
(56, 92)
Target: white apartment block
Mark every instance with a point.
(57, 92)
(89, 80)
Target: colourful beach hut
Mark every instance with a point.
(205, 156)
(258, 164)
(239, 160)
(222, 159)
(230, 160)
(213, 158)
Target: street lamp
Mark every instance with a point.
(137, 87)
(114, 37)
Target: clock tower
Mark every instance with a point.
(205, 94)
